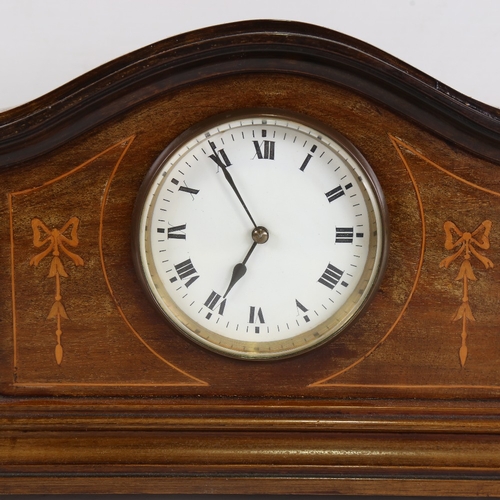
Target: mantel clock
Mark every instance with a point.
(257, 257)
(185, 217)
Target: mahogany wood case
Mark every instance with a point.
(99, 394)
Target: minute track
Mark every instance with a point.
(293, 178)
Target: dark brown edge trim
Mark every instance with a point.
(200, 484)
(256, 46)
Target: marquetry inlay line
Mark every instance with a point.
(60, 240)
(464, 246)
(481, 240)
(11, 198)
(326, 382)
(55, 241)
(190, 379)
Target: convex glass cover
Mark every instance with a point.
(261, 235)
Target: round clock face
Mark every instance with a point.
(260, 236)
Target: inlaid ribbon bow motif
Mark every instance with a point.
(466, 245)
(56, 241)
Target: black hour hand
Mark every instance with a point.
(240, 269)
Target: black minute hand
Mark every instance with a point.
(220, 162)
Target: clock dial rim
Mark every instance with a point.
(377, 200)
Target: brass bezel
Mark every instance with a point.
(330, 328)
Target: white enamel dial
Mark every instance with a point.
(260, 236)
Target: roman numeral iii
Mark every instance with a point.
(344, 234)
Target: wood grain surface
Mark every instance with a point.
(99, 394)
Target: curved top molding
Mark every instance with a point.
(257, 46)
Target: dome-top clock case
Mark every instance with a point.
(259, 256)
